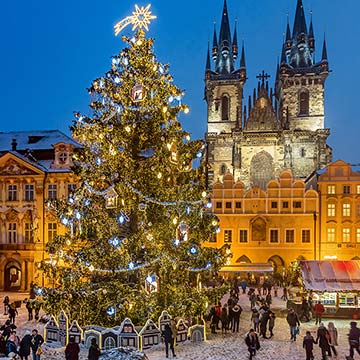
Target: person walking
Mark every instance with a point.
(354, 337)
(308, 345)
(6, 304)
(29, 308)
(12, 312)
(25, 342)
(72, 350)
(173, 330)
(322, 339)
(285, 294)
(252, 342)
(236, 312)
(333, 337)
(255, 318)
(169, 340)
(304, 310)
(36, 341)
(318, 310)
(94, 351)
(271, 323)
(293, 321)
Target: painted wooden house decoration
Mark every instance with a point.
(150, 335)
(128, 336)
(93, 333)
(110, 338)
(63, 322)
(75, 331)
(51, 331)
(163, 320)
(197, 333)
(182, 331)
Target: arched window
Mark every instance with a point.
(225, 107)
(223, 169)
(304, 103)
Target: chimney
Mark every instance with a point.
(13, 145)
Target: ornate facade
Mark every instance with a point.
(277, 129)
(34, 168)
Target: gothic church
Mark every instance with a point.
(275, 129)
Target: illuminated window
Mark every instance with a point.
(52, 191)
(305, 236)
(331, 209)
(331, 235)
(346, 235)
(52, 231)
(358, 235)
(12, 192)
(346, 189)
(225, 107)
(346, 209)
(28, 233)
(12, 233)
(243, 236)
(331, 189)
(289, 235)
(304, 103)
(358, 189)
(227, 236)
(274, 235)
(29, 192)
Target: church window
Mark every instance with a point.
(12, 192)
(29, 233)
(331, 210)
(225, 107)
(29, 192)
(304, 103)
(346, 235)
(331, 234)
(331, 189)
(228, 236)
(52, 231)
(305, 236)
(243, 236)
(219, 205)
(261, 169)
(12, 233)
(302, 152)
(274, 235)
(228, 205)
(346, 189)
(223, 169)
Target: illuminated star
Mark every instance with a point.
(140, 18)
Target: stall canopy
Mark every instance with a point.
(331, 275)
(248, 267)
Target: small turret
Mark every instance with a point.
(235, 48)
(311, 37)
(215, 45)
(208, 62)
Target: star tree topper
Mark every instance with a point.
(140, 18)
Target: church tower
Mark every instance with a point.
(223, 94)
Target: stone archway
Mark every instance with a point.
(243, 259)
(261, 169)
(12, 275)
(277, 262)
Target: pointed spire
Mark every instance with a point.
(235, 43)
(208, 63)
(311, 30)
(225, 26)
(277, 71)
(288, 32)
(324, 56)
(242, 59)
(283, 55)
(215, 44)
(300, 21)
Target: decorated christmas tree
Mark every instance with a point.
(137, 222)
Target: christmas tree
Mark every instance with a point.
(139, 218)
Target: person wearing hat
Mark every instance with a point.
(354, 336)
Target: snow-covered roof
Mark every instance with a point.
(331, 275)
(34, 140)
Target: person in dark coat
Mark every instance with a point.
(354, 337)
(236, 312)
(293, 321)
(263, 323)
(271, 323)
(7, 329)
(29, 308)
(304, 310)
(36, 341)
(72, 350)
(322, 339)
(308, 345)
(10, 347)
(252, 342)
(94, 351)
(6, 304)
(25, 343)
(169, 340)
(12, 312)
(224, 317)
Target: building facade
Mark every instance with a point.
(275, 129)
(34, 168)
(277, 225)
(339, 189)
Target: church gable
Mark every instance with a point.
(13, 165)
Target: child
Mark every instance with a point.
(308, 345)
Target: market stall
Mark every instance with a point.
(335, 283)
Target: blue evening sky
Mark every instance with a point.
(52, 50)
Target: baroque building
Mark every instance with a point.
(34, 168)
(276, 129)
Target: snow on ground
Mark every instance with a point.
(217, 347)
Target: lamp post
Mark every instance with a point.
(315, 218)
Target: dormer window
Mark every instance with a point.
(63, 157)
